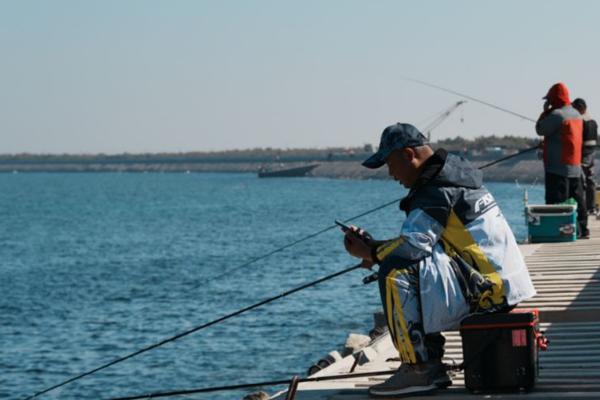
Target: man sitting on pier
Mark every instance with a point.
(455, 256)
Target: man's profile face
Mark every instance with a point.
(400, 167)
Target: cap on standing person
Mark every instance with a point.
(561, 125)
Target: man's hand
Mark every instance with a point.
(547, 106)
(547, 109)
(356, 243)
(368, 264)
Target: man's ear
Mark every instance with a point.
(409, 153)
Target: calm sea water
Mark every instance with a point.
(95, 266)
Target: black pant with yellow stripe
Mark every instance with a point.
(399, 290)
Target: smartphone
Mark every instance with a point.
(344, 227)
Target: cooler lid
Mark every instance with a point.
(550, 209)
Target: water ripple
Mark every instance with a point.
(95, 266)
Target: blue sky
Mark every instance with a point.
(138, 76)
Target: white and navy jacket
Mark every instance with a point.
(450, 211)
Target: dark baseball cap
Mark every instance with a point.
(394, 137)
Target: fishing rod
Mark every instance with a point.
(312, 235)
(330, 227)
(510, 156)
(305, 238)
(185, 333)
(466, 96)
(253, 385)
(196, 329)
(269, 300)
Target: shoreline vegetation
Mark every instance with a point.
(336, 162)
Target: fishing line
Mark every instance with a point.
(466, 96)
(312, 235)
(271, 299)
(185, 333)
(305, 238)
(196, 329)
(252, 385)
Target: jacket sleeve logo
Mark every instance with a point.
(484, 203)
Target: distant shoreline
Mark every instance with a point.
(337, 163)
(522, 170)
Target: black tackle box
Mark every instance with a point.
(500, 351)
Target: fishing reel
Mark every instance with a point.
(370, 278)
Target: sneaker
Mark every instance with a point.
(408, 379)
(584, 235)
(441, 375)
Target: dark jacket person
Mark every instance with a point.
(590, 141)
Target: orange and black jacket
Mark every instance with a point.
(562, 129)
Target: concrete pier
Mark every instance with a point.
(567, 279)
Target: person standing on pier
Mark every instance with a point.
(561, 126)
(590, 141)
(455, 256)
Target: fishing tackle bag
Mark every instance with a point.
(500, 351)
